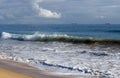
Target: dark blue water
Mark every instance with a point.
(95, 31)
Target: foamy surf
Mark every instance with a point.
(32, 37)
(66, 58)
(5, 35)
(95, 52)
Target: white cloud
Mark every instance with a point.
(48, 14)
(44, 12)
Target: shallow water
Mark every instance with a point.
(59, 57)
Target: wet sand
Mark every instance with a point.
(11, 69)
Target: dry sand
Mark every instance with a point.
(9, 74)
(11, 69)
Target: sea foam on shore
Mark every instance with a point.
(84, 59)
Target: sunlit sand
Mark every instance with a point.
(11, 69)
(10, 74)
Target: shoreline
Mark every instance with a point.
(22, 69)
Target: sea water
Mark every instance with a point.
(49, 47)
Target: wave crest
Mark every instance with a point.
(56, 37)
(33, 37)
(5, 35)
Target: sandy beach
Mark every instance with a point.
(11, 69)
(20, 70)
(4, 73)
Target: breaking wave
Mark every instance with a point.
(56, 37)
(33, 37)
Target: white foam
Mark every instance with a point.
(6, 35)
(63, 57)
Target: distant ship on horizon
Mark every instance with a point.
(107, 23)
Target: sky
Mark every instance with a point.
(59, 11)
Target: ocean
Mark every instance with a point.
(85, 49)
(95, 31)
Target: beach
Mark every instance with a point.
(60, 59)
(11, 69)
(20, 70)
(9, 74)
(59, 39)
